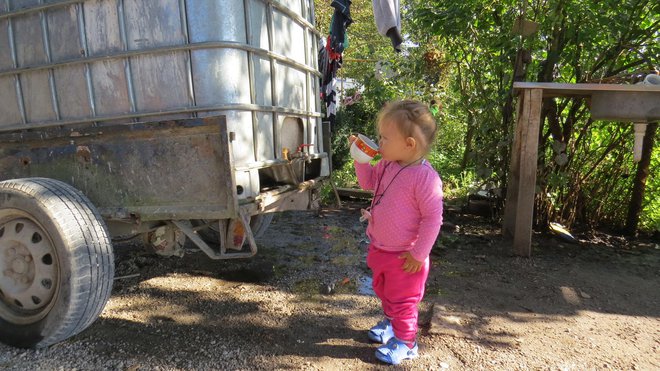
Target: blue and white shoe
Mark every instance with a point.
(395, 351)
(382, 332)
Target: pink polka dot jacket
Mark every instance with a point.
(406, 210)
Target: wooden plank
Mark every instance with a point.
(528, 155)
(354, 192)
(508, 223)
(551, 89)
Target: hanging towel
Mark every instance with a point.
(386, 14)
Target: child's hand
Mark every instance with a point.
(411, 265)
(351, 139)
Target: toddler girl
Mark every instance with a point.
(404, 220)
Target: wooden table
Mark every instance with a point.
(636, 103)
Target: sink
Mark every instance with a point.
(640, 106)
(630, 106)
(639, 103)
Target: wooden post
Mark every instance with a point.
(509, 220)
(519, 208)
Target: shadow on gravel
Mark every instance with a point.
(476, 278)
(474, 274)
(221, 326)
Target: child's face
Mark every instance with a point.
(394, 146)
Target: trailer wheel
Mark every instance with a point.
(56, 262)
(258, 223)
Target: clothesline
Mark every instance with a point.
(360, 60)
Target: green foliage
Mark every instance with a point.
(343, 176)
(463, 54)
(577, 41)
(356, 118)
(650, 219)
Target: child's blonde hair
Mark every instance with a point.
(413, 119)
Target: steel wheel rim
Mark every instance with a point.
(29, 273)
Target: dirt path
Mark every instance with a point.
(304, 303)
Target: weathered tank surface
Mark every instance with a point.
(76, 77)
(163, 120)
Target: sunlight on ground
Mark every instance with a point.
(179, 282)
(575, 336)
(141, 310)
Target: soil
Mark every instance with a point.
(304, 303)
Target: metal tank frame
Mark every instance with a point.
(86, 60)
(98, 152)
(123, 119)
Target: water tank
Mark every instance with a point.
(96, 62)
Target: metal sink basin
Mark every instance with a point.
(630, 106)
(639, 103)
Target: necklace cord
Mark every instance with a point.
(375, 202)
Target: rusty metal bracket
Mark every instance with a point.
(185, 227)
(245, 218)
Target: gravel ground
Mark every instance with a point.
(304, 303)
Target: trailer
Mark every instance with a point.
(163, 120)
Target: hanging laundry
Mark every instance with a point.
(388, 20)
(331, 99)
(341, 19)
(329, 63)
(330, 54)
(355, 98)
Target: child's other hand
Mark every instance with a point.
(351, 139)
(411, 265)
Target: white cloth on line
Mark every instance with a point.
(386, 15)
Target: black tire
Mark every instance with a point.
(258, 223)
(56, 262)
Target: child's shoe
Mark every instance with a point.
(382, 332)
(396, 351)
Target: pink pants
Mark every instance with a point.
(398, 290)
